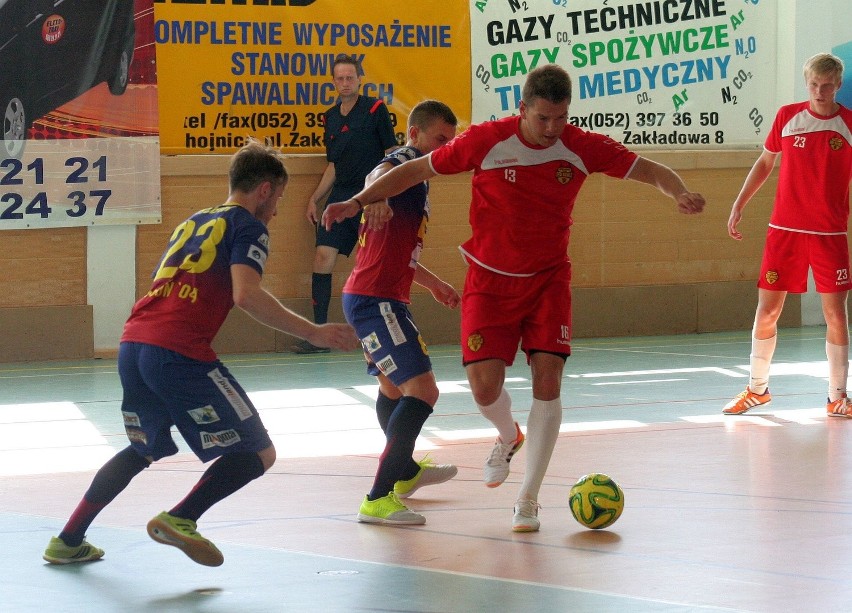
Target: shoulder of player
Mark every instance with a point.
(402, 154)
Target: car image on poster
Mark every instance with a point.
(52, 52)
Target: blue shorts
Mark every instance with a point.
(163, 388)
(389, 337)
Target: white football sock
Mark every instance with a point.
(838, 369)
(542, 432)
(499, 413)
(762, 351)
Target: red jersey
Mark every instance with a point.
(387, 258)
(192, 291)
(816, 167)
(523, 194)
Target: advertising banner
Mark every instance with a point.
(230, 70)
(685, 74)
(78, 103)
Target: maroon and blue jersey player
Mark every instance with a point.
(171, 376)
(376, 300)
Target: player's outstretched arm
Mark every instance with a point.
(265, 308)
(668, 182)
(388, 184)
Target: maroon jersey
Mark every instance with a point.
(387, 258)
(192, 290)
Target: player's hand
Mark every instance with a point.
(338, 211)
(336, 336)
(377, 214)
(733, 222)
(311, 212)
(690, 203)
(446, 295)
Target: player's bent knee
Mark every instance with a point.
(267, 457)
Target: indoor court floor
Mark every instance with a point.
(722, 513)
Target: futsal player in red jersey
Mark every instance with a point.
(807, 229)
(171, 376)
(375, 301)
(527, 170)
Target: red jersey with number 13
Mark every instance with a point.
(523, 194)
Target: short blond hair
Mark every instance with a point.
(824, 64)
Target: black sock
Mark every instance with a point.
(321, 295)
(224, 477)
(108, 483)
(384, 409)
(403, 428)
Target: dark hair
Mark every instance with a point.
(346, 59)
(425, 113)
(551, 82)
(255, 163)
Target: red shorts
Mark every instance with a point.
(788, 255)
(499, 311)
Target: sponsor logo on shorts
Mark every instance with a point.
(371, 343)
(258, 255)
(394, 329)
(136, 436)
(771, 277)
(239, 405)
(204, 415)
(131, 420)
(225, 438)
(564, 174)
(475, 341)
(386, 365)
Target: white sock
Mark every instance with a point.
(762, 351)
(499, 413)
(838, 370)
(542, 432)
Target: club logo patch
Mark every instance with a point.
(475, 341)
(371, 343)
(835, 143)
(131, 420)
(386, 365)
(564, 174)
(204, 415)
(225, 438)
(771, 277)
(136, 436)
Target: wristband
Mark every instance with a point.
(358, 202)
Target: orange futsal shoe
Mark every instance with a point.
(842, 407)
(745, 401)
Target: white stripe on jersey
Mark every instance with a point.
(804, 122)
(512, 152)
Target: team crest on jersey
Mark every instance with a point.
(771, 277)
(836, 143)
(564, 174)
(475, 341)
(263, 239)
(204, 415)
(371, 343)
